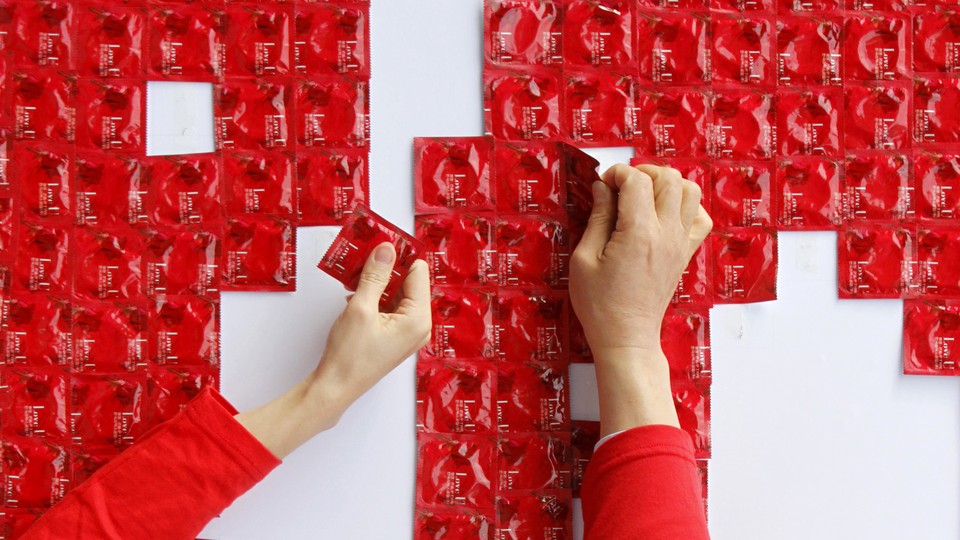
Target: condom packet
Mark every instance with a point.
(112, 115)
(181, 261)
(440, 523)
(743, 194)
(36, 472)
(107, 410)
(692, 401)
(876, 261)
(934, 105)
(42, 258)
(463, 323)
(937, 252)
(809, 122)
(810, 195)
(523, 32)
(332, 38)
(672, 48)
(877, 116)
(809, 50)
(259, 183)
(673, 122)
(171, 388)
(111, 190)
(584, 436)
(877, 187)
(456, 396)
(534, 461)
(253, 114)
(743, 125)
(456, 471)
(522, 105)
(599, 108)
(579, 172)
(530, 325)
(459, 248)
(532, 250)
(598, 33)
(533, 396)
(35, 403)
(876, 46)
(107, 263)
(45, 174)
(930, 329)
(38, 330)
(529, 177)
(685, 338)
(532, 514)
(745, 265)
(330, 182)
(333, 112)
(45, 32)
(937, 178)
(184, 331)
(111, 40)
(109, 337)
(743, 49)
(453, 173)
(259, 254)
(934, 36)
(257, 39)
(362, 232)
(186, 41)
(185, 190)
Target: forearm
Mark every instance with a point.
(634, 388)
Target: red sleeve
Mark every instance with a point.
(643, 484)
(170, 484)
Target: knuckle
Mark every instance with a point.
(693, 189)
(671, 174)
(374, 278)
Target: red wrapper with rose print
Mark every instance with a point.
(743, 125)
(185, 190)
(330, 182)
(36, 475)
(107, 263)
(44, 33)
(877, 187)
(938, 250)
(363, 231)
(534, 461)
(876, 261)
(809, 50)
(259, 183)
(38, 330)
(111, 40)
(598, 33)
(937, 179)
(456, 396)
(439, 523)
(259, 254)
(111, 190)
(685, 338)
(107, 410)
(170, 389)
(532, 251)
(456, 471)
(523, 32)
(186, 41)
(930, 332)
(877, 116)
(936, 41)
(529, 178)
(535, 514)
(453, 173)
(745, 265)
(332, 38)
(179, 261)
(35, 403)
(257, 40)
(253, 114)
(743, 194)
(810, 196)
(45, 174)
(531, 325)
(672, 48)
(112, 115)
(599, 108)
(184, 331)
(332, 112)
(673, 122)
(109, 337)
(460, 249)
(522, 105)
(935, 106)
(583, 438)
(533, 396)
(692, 401)
(743, 49)
(809, 122)
(876, 47)
(463, 323)
(41, 263)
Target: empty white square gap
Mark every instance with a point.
(179, 118)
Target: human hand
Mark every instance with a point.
(365, 344)
(646, 224)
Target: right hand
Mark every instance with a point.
(646, 224)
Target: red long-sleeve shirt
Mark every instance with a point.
(641, 483)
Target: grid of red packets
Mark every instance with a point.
(112, 262)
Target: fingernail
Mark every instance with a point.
(599, 189)
(383, 254)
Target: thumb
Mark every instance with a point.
(375, 275)
(602, 221)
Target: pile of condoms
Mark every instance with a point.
(794, 115)
(112, 262)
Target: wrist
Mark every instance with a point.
(322, 401)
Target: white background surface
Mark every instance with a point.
(816, 435)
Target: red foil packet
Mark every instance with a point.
(41, 260)
(170, 389)
(463, 323)
(460, 249)
(111, 40)
(809, 51)
(692, 401)
(35, 403)
(110, 190)
(332, 112)
(532, 515)
(522, 105)
(456, 397)
(937, 252)
(937, 178)
(877, 186)
(456, 471)
(38, 330)
(257, 40)
(253, 114)
(361, 234)
(440, 523)
(745, 264)
(36, 474)
(533, 397)
(877, 116)
(529, 178)
(743, 125)
(743, 49)
(876, 261)
(743, 194)
(179, 261)
(44, 33)
(534, 461)
(522, 32)
(260, 254)
(930, 330)
(453, 173)
(685, 338)
(331, 38)
(45, 173)
(531, 325)
(184, 331)
(107, 263)
(109, 337)
(185, 190)
(673, 123)
(934, 106)
(259, 183)
(584, 438)
(810, 196)
(330, 183)
(532, 251)
(186, 42)
(112, 115)
(598, 33)
(600, 108)
(876, 47)
(672, 48)
(809, 122)
(107, 410)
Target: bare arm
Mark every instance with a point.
(646, 224)
(363, 346)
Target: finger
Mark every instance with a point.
(375, 276)
(416, 286)
(667, 190)
(690, 205)
(701, 227)
(603, 218)
(635, 198)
